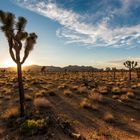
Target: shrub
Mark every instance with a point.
(39, 94)
(130, 94)
(74, 88)
(10, 113)
(85, 103)
(83, 89)
(28, 97)
(41, 103)
(124, 97)
(67, 92)
(33, 126)
(108, 117)
(95, 96)
(103, 89)
(116, 90)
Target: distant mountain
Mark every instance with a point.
(70, 68)
(79, 68)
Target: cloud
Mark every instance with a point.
(75, 27)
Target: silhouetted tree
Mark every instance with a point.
(43, 69)
(114, 72)
(15, 34)
(130, 65)
(138, 72)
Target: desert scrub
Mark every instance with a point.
(103, 89)
(130, 94)
(67, 92)
(28, 97)
(39, 94)
(41, 103)
(83, 89)
(116, 90)
(95, 96)
(108, 117)
(10, 113)
(124, 97)
(87, 103)
(33, 126)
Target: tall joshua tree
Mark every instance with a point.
(16, 36)
(130, 65)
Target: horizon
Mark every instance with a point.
(77, 33)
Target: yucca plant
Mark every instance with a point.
(16, 36)
(131, 66)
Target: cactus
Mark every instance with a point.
(15, 34)
(130, 65)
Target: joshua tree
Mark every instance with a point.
(15, 34)
(107, 69)
(130, 65)
(138, 72)
(43, 69)
(114, 72)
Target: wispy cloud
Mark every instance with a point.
(75, 27)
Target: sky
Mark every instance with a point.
(99, 33)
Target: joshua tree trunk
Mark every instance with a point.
(114, 75)
(21, 89)
(129, 74)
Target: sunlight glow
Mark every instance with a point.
(10, 63)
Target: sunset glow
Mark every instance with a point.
(10, 63)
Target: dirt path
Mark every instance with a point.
(91, 124)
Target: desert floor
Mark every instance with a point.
(79, 106)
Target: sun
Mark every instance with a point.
(10, 63)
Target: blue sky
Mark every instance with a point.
(99, 33)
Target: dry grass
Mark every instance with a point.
(108, 117)
(116, 90)
(130, 94)
(96, 96)
(68, 92)
(103, 89)
(42, 102)
(10, 113)
(39, 95)
(83, 89)
(124, 97)
(28, 97)
(85, 103)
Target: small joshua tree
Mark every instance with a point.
(130, 65)
(107, 69)
(43, 69)
(138, 72)
(15, 34)
(114, 72)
